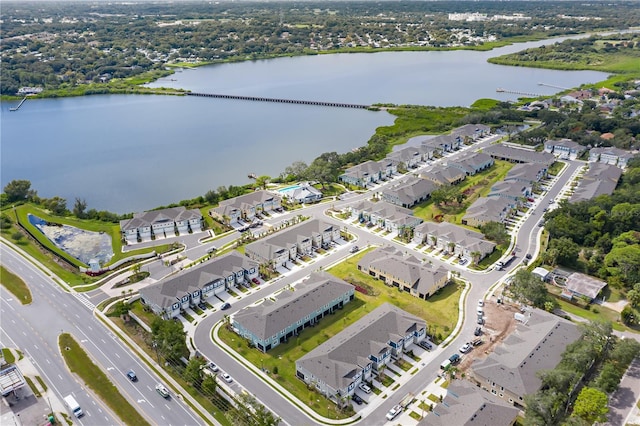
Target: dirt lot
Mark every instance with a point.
(499, 324)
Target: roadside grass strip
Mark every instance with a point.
(15, 286)
(79, 363)
(8, 356)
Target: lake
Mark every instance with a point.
(127, 153)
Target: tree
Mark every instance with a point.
(249, 412)
(169, 338)
(628, 315)
(528, 288)
(209, 384)
(591, 405)
(624, 262)
(633, 296)
(567, 250)
(495, 231)
(193, 372)
(79, 208)
(542, 407)
(56, 205)
(262, 181)
(609, 378)
(18, 190)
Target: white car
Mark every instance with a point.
(397, 409)
(227, 378)
(480, 303)
(466, 348)
(162, 390)
(364, 388)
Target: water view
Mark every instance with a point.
(134, 152)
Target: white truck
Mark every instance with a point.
(73, 405)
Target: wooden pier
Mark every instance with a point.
(531, 95)
(19, 105)
(279, 100)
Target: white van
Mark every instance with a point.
(73, 405)
(445, 364)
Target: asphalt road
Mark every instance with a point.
(34, 329)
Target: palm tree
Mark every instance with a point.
(451, 246)
(475, 255)
(434, 240)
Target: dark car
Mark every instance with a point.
(132, 376)
(225, 306)
(425, 345)
(478, 331)
(528, 256)
(357, 399)
(255, 281)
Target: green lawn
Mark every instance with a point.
(15, 286)
(591, 315)
(80, 363)
(8, 356)
(475, 187)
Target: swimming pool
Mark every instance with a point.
(289, 188)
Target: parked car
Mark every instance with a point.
(462, 262)
(354, 249)
(355, 398)
(425, 345)
(477, 342)
(478, 331)
(480, 302)
(212, 250)
(212, 367)
(466, 348)
(364, 388)
(455, 358)
(397, 409)
(132, 376)
(225, 306)
(202, 306)
(255, 281)
(162, 390)
(480, 321)
(528, 256)
(227, 378)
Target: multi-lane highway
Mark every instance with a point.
(34, 329)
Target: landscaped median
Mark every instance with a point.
(79, 363)
(15, 285)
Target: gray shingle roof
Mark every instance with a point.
(338, 359)
(166, 292)
(522, 155)
(245, 202)
(467, 405)
(173, 214)
(600, 179)
(536, 345)
(269, 318)
(584, 285)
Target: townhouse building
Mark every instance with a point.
(510, 371)
(513, 190)
(409, 192)
(564, 148)
(385, 215)
(611, 155)
(404, 272)
(528, 173)
(488, 209)
(473, 163)
(246, 207)
(442, 143)
(517, 155)
(289, 244)
(409, 157)
(445, 175)
(369, 173)
(466, 405)
(155, 224)
(301, 193)
(450, 238)
(285, 315)
(600, 179)
(470, 133)
(170, 296)
(337, 366)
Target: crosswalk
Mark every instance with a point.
(86, 302)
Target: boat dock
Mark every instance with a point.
(279, 100)
(531, 95)
(19, 105)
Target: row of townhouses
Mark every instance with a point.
(293, 242)
(167, 298)
(285, 315)
(385, 215)
(352, 356)
(454, 239)
(511, 371)
(507, 195)
(600, 179)
(246, 207)
(164, 223)
(405, 272)
(517, 155)
(410, 157)
(568, 149)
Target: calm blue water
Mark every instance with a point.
(130, 153)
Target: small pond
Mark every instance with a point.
(79, 243)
